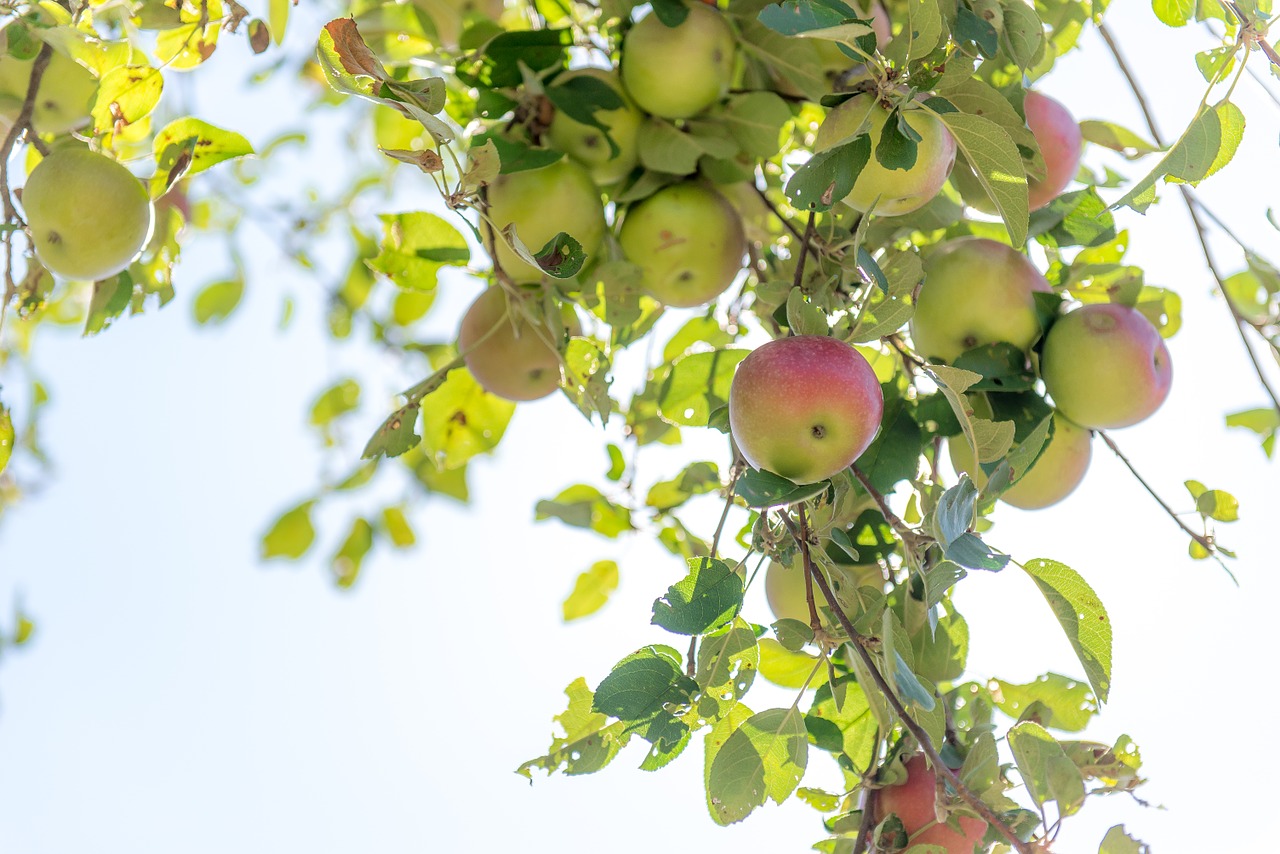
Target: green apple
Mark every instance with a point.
(88, 215)
(677, 72)
(899, 191)
(785, 592)
(588, 145)
(1055, 474)
(1061, 144)
(687, 240)
(914, 803)
(1105, 366)
(66, 94)
(541, 203)
(976, 291)
(804, 407)
(506, 354)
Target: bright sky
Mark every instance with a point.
(181, 696)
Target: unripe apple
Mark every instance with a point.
(976, 291)
(506, 354)
(1105, 366)
(899, 191)
(688, 241)
(88, 215)
(1061, 144)
(66, 94)
(1055, 475)
(804, 407)
(588, 144)
(913, 802)
(542, 203)
(677, 72)
(784, 587)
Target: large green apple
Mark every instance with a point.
(785, 592)
(88, 215)
(541, 203)
(677, 72)
(1061, 144)
(976, 291)
(1105, 366)
(899, 191)
(66, 94)
(588, 145)
(506, 354)
(1055, 475)
(913, 803)
(804, 407)
(688, 241)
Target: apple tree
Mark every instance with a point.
(840, 242)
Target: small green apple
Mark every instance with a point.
(899, 191)
(804, 407)
(677, 72)
(66, 94)
(687, 240)
(914, 803)
(976, 291)
(542, 203)
(1058, 471)
(506, 354)
(88, 215)
(588, 145)
(1105, 366)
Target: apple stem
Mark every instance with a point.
(1194, 207)
(858, 642)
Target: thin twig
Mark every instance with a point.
(910, 536)
(804, 252)
(1241, 323)
(1205, 543)
(858, 642)
(814, 622)
(868, 822)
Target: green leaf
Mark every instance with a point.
(347, 561)
(126, 94)
(291, 535)
(761, 489)
(1055, 701)
(1175, 13)
(728, 659)
(6, 437)
(1218, 505)
(583, 506)
(755, 121)
(397, 527)
(460, 420)
(998, 165)
(1082, 617)
(1047, 771)
(189, 146)
(1118, 842)
(1205, 146)
(922, 31)
(828, 177)
(787, 668)
(217, 300)
(764, 758)
(708, 597)
(591, 590)
(1022, 36)
(1116, 138)
(1002, 365)
(663, 147)
(396, 435)
(589, 742)
(697, 385)
(803, 317)
(1079, 218)
(1265, 422)
(415, 247)
(334, 402)
(278, 19)
(972, 28)
(649, 690)
(695, 479)
(844, 704)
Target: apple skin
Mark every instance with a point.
(88, 215)
(66, 94)
(506, 355)
(784, 587)
(1106, 366)
(913, 802)
(804, 407)
(677, 72)
(688, 241)
(1061, 144)
(1055, 475)
(900, 191)
(587, 144)
(976, 291)
(542, 203)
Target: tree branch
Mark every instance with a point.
(858, 642)
(804, 252)
(814, 622)
(1201, 232)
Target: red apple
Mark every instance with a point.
(913, 802)
(804, 407)
(1105, 366)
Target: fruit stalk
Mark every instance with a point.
(858, 642)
